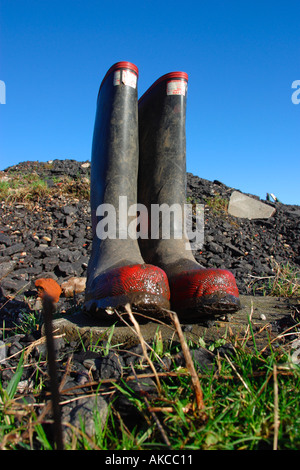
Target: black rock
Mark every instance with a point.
(202, 358)
(110, 366)
(5, 239)
(16, 248)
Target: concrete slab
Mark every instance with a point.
(261, 310)
(244, 206)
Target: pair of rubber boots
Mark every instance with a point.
(139, 156)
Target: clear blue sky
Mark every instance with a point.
(241, 57)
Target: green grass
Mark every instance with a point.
(285, 282)
(30, 188)
(239, 406)
(250, 403)
(21, 188)
(217, 204)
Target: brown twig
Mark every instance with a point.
(189, 363)
(143, 344)
(280, 336)
(66, 373)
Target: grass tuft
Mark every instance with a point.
(248, 401)
(217, 204)
(284, 283)
(32, 188)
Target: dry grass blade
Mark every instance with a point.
(121, 317)
(15, 295)
(276, 409)
(127, 379)
(239, 375)
(28, 349)
(247, 332)
(169, 409)
(281, 335)
(286, 281)
(189, 362)
(143, 344)
(66, 373)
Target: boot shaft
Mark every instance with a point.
(114, 162)
(162, 166)
(117, 274)
(162, 141)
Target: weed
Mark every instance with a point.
(31, 188)
(76, 188)
(28, 321)
(22, 188)
(4, 189)
(284, 283)
(217, 204)
(249, 400)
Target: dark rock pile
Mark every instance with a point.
(51, 237)
(86, 376)
(45, 238)
(249, 248)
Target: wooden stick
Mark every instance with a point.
(54, 387)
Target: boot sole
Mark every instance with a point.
(208, 306)
(112, 308)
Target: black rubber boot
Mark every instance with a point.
(117, 273)
(195, 291)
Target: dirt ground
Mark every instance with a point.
(265, 318)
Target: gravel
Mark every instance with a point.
(52, 238)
